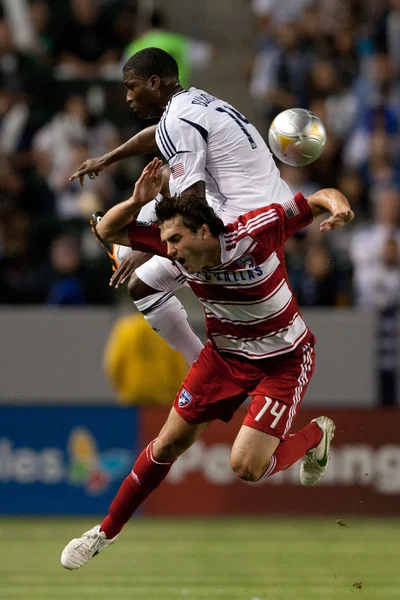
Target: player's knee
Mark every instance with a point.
(247, 470)
(139, 290)
(168, 449)
(134, 288)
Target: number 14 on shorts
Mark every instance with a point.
(276, 410)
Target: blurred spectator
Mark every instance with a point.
(66, 141)
(289, 66)
(262, 60)
(338, 102)
(369, 241)
(18, 71)
(298, 180)
(15, 126)
(122, 15)
(387, 32)
(85, 45)
(319, 282)
(22, 279)
(72, 281)
(279, 12)
(132, 354)
(378, 136)
(188, 52)
(41, 22)
(384, 285)
(350, 183)
(384, 279)
(376, 86)
(67, 288)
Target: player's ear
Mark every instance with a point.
(205, 232)
(154, 82)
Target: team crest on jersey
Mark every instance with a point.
(247, 261)
(184, 398)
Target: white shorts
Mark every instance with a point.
(161, 274)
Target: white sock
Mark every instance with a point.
(166, 315)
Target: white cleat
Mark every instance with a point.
(315, 463)
(80, 550)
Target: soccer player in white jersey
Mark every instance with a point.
(258, 343)
(212, 151)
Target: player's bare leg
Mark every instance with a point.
(149, 470)
(257, 455)
(252, 452)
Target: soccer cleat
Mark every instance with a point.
(80, 550)
(314, 464)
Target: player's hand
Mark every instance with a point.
(127, 267)
(337, 220)
(124, 271)
(91, 167)
(149, 183)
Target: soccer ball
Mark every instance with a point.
(297, 137)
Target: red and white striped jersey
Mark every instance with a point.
(249, 307)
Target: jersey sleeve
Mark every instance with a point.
(272, 225)
(145, 237)
(183, 142)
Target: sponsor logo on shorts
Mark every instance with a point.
(184, 398)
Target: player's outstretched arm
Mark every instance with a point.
(333, 201)
(143, 142)
(113, 226)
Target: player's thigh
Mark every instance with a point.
(277, 397)
(209, 391)
(139, 290)
(251, 453)
(176, 436)
(161, 275)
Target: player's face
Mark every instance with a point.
(194, 251)
(143, 95)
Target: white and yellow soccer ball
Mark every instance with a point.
(297, 137)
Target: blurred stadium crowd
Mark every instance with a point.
(61, 101)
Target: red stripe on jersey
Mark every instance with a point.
(253, 331)
(249, 307)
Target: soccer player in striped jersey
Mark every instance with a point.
(213, 152)
(258, 343)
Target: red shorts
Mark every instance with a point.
(217, 384)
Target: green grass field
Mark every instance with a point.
(258, 559)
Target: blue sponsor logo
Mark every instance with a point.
(184, 398)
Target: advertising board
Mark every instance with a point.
(64, 460)
(363, 476)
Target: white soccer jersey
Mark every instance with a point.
(250, 310)
(206, 139)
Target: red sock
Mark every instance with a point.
(146, 475)
(291, 450)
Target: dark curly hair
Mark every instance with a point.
(194, 211)
(152, 61)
